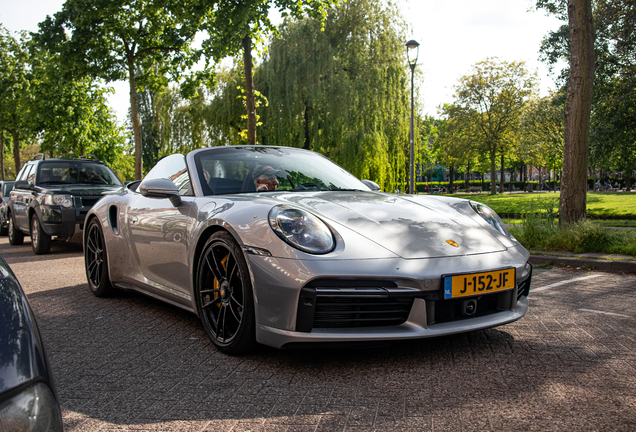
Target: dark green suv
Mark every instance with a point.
(50, 199)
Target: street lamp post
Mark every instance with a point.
(412, 45)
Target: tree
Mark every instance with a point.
(234, 27)
(343, 91)
(492, 97)
(577, 112)
(455, 145)
(14, 88)
(70, 115)
(541, 140)
(113, 39)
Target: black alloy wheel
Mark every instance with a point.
(96, 261)
(224, 295)
(40, 241)
(16, 237)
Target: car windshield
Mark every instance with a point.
(64, 172)
(246, 169)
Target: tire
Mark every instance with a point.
(225, 301)
(40, 241)
(16, 237)
(96, 261)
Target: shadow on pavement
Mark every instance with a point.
(132, 360)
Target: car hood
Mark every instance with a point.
(408, 227)
(79, 189)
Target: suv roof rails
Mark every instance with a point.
(42, 156)
(89, 157)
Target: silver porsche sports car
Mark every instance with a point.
(280, 246)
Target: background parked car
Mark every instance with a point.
(5, 190)
(51, 197)
(28, 399)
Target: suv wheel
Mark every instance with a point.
(40, 241)
(16, 237)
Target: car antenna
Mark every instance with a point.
(42, 156)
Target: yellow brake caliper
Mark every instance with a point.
(217, 284)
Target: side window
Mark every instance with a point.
(31, 175)
(24, 172)
(173, 168)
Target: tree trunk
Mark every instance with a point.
(577, 112)
(493, 172)
(307, 144)
(249, 91)
(467, 179)
(136, 123)
(501, 186)
(2, 154)
(16, 151)
(451, 178)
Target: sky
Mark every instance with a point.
(453, 36)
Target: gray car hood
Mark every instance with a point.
(406, 227)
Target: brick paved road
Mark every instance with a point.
(132, 363)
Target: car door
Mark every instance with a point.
(22, 197)
(159, 232)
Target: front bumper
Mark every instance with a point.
(63, 223)
(414, 328)
(283, 293)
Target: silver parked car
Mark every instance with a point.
(281, 246)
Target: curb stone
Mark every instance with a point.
(614, 266)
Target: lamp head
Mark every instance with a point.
(411, 46)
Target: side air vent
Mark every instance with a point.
(113, 218)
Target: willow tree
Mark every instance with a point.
(235, 26)
(341, 91)
(494, 94)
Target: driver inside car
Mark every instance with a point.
(265, 178)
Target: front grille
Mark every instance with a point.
(332, 303)
(523, 289)
(360, 311)
(89, 201)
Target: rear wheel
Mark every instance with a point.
(224, 295)
(16, 237)
(96, 261)
(40, 241)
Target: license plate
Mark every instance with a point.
(473, 284)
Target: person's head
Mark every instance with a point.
(264, 177)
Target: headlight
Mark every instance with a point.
(61, 200)
(301, 229)
(491, 217)
(35, 409)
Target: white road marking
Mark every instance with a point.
(543, 288)
(605, 313)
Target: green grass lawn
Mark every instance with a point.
(598, 203)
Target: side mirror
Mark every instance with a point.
(371, 185)
(22, 184)
(160, 188)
